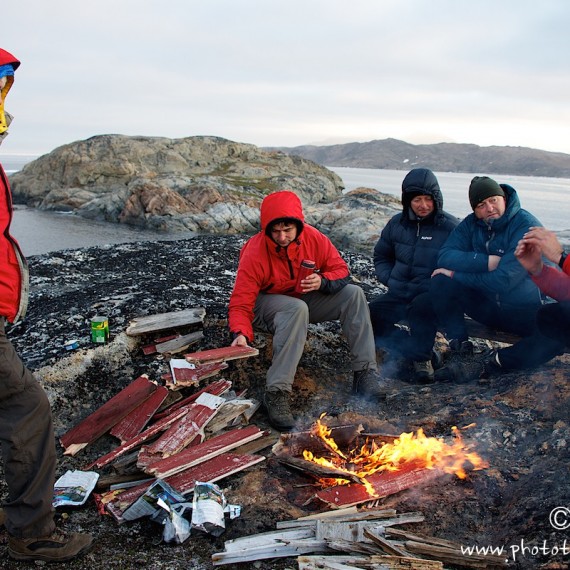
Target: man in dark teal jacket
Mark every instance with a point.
(404, 259)
(479, 275)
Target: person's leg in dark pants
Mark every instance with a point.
(423, 327)
(553, 321)
(538, 347)
(28, 447)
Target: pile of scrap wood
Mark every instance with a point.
(366, 537)
(205, 436)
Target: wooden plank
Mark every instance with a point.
(216, 388)
(109, 414)
(163, 321)
(230, 414)
(384, 483)
(133, 423)
(455, 556)
(283, 550)
(316, 470)
(184, 377)
(221, 354)
(213, 470)
(180, 343)
(151, 431)
(387, 546)
(203, 451)
(186, 429)
(375, 562)
(151, 348)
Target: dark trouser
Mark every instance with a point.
(451, 301)
(554, 321)
(387, 310)
(287, 319)
(28, 446)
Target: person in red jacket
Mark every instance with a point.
(553, 319)
(264, 298)
(26, 429)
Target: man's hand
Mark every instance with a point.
(442, 271)
(529, 255)
(239, 340)
(311, 283)
(493, 262)
(546, 242)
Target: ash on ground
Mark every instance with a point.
(522, 424)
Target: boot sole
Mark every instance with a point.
(46, 558)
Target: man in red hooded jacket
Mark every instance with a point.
(264, 298)
(26, 430)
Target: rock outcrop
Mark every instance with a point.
(197, 184)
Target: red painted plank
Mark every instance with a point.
(384, 483)
(151, 431)
(219, 354)
(210, 471)
(204, 451)
(135, 422)
(110, 413)
(213, 470)
(187, 428)
(215, 388)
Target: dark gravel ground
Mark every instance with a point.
(522, 420)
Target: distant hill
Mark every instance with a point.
(393, 154)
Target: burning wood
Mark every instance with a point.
(381, 465)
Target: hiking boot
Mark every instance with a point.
(423, 370)
(370, 384)
(58, 547)
(492, 365)
(279, 410)
(462, 347)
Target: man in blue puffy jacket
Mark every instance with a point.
(404, 259)
(479, 275)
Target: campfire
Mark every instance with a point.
(351, 466)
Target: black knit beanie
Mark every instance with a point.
(481, 188)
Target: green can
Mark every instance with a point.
(100, 330)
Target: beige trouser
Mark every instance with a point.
(28, 446)
(287, 319)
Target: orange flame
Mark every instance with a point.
(431, 452)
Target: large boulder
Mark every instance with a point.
(196, 184)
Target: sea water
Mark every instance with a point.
(41, 232)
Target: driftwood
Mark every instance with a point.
(179, 343)
(163, 321)
(316, 470)
(366, 563)
(294, 443)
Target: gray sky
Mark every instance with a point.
(286, 73)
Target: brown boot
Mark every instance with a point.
(369, 384)
(57, 547)
(279, 410)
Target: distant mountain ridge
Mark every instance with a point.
(393, 154)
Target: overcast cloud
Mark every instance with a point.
(275, 73)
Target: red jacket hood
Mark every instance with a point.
(7, 58)
(284, 204)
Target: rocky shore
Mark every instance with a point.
(522, 423)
